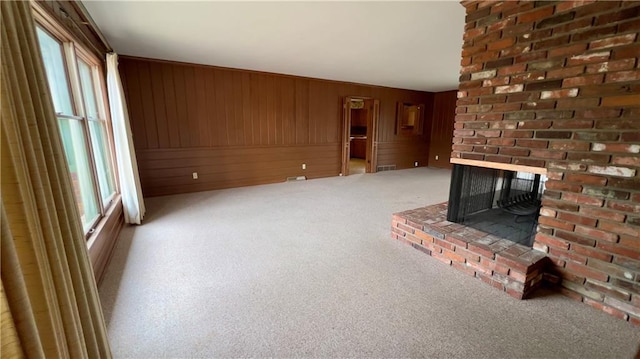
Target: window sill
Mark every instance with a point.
(102, 241)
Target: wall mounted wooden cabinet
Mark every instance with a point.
(409, 119)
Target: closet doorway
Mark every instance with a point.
(359, 135)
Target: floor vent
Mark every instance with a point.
(298, 178)
(386, 168)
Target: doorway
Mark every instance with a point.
(359, 135)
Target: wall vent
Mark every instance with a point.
(386, 168)
(298, 178)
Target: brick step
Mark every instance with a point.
(505, 265)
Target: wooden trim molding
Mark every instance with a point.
(103, 241)
(499, 166)
(51, 24)
(74, 18)
(94, 27)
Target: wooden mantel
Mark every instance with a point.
(499, 166)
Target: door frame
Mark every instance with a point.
(371, 159)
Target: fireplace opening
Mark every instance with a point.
(503, 203)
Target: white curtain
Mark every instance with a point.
(130, 188)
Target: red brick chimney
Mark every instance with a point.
(555, 87)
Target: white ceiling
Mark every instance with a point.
(413, 45)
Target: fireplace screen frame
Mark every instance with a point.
(475, 190)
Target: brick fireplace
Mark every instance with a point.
(554, 88)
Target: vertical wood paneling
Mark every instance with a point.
(192, 106)
(313, 111)
(255, 109)
(210, 88)
(134, 103)
(277, 112)
(246, 109)
(302, 111)
(272, 138)
(228, 108)
(327, 109)
(334, 106)
(159, 104)
(220, 121)
(288, 110)
(125, 87)
(148, 106)
(184, 107)
(237, 123)
(387, 117)
(444, 108)
(202, 116)
(170, 104)
(317, 110)
(263, 110)
(181, 106)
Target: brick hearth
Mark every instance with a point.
(505, 265)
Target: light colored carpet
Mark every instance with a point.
(308, 269)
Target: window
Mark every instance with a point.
(97, 129)
(76, 89)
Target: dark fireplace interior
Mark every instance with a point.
(499, 202)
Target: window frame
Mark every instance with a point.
(98, 80)
(73, 51)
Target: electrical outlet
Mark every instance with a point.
(415, 164)
(437, 157)
(195, 175)
(304, 166)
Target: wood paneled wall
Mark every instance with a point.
(237, 127)
(444, 113)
